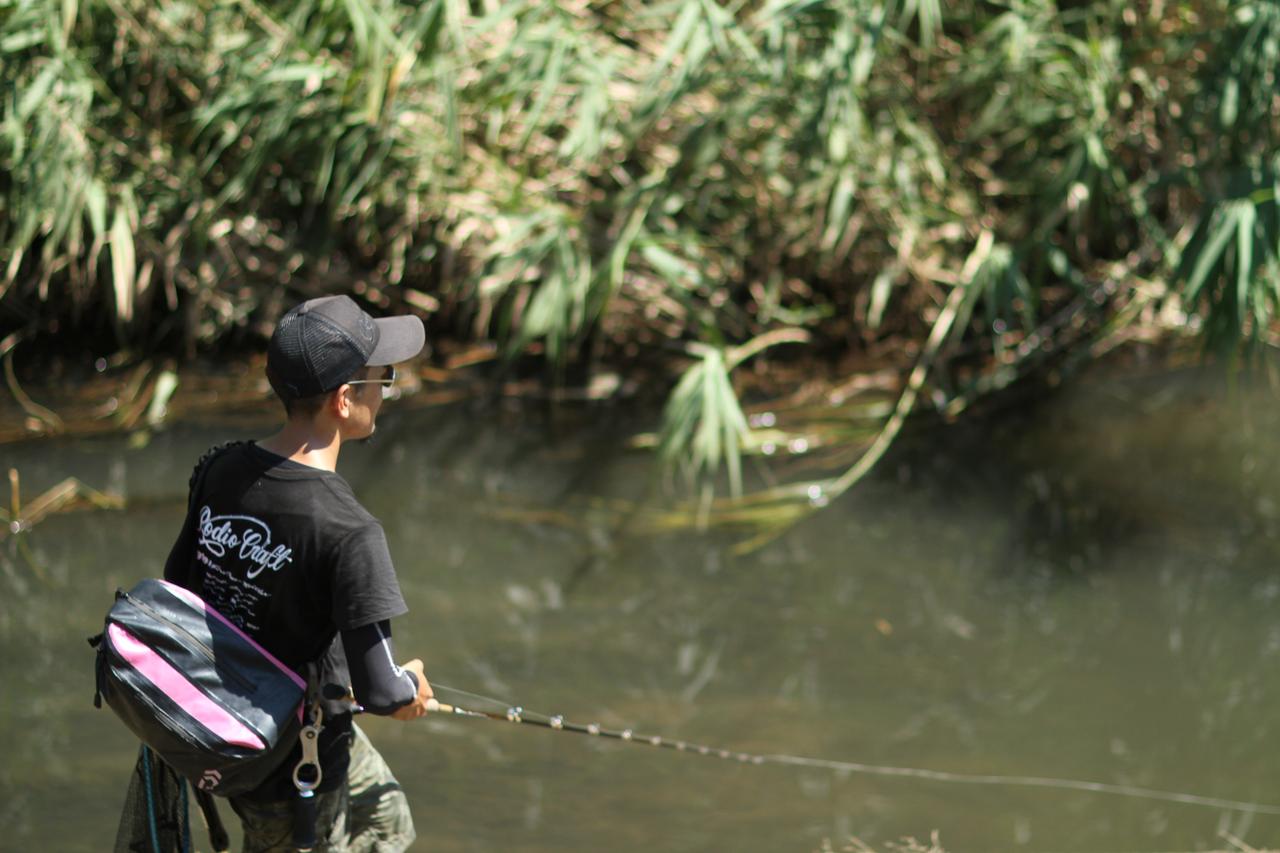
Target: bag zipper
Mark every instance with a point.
(224, 672)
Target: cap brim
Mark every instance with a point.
(399, 339)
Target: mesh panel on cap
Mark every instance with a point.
(312, 355)
(288, 341)
(332, 356)
(287, 357)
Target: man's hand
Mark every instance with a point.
(418, 706)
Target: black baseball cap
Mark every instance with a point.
(323, 342)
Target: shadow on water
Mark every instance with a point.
(1084, 590)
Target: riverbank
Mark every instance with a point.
(61, 397)
(803, 420)
(47, 395)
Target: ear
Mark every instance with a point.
(340, 402)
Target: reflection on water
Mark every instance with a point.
(1086, 591)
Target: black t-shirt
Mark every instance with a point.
(286, 552)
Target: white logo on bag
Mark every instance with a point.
(209, 780)
(249, 537)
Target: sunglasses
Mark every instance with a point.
(387, 382)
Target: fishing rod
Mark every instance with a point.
(518, 715)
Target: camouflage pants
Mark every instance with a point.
(370, 814)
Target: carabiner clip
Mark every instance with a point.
(310, 739)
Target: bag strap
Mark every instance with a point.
(304, 818)
(218, 837)
(202, 467)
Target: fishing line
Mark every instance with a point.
(518, 715)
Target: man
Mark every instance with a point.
(276, 541)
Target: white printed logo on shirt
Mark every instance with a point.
(247, 537)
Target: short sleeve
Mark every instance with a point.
(365, 588)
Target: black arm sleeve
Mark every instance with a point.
(380, 686)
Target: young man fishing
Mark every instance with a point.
(276, 541)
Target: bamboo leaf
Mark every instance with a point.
(298, 72)
(1221, 229)
(880, 290)
(358, 15)
(38, 92)
(70, 8)
(703, 427)
(95, 196)
(681, 31)
(430, 24)
(123, 264)
(675, 270)
(1230, 109)
(1245, 220)
(546, 90)
(158, 408)
(21, 41)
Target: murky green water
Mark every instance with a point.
(1088, 591)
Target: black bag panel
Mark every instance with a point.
(189, 684)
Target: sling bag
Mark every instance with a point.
(217, 707)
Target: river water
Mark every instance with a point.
(1085, 588)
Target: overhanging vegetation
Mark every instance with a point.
(968, 189)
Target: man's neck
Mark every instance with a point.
(310, 443)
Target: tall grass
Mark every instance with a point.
(601, 182)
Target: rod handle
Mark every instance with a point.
(434, 706)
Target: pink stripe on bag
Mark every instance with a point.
(186, 695)
(196, 601)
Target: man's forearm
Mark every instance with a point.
(380, 685)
